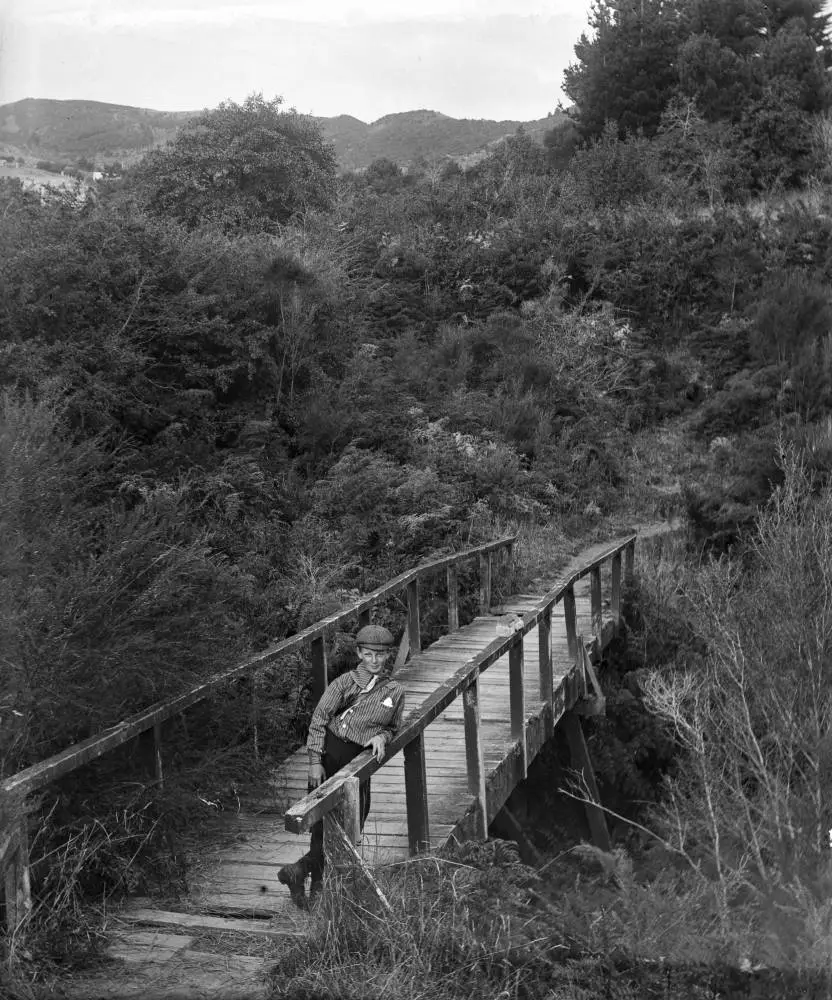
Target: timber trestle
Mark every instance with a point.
(481, 702)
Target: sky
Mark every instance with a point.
(498, 59)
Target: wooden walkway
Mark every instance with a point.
(234, 894)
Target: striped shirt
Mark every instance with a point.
(355, 713)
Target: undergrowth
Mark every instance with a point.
(474, 922)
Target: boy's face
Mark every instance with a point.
(375, 660)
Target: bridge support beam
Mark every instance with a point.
(582, 763)
(506, 825)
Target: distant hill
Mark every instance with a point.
(412, 135)
(38, 129)
(72, 129)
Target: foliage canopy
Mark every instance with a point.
(724, 54)
(244, 166)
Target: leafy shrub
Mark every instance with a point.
(794, 313)
(611, 172)
(149, 605)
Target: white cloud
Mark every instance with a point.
(104, 15)
(189, 54)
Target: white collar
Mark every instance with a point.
(371, 684)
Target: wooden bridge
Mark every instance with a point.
(482, 701)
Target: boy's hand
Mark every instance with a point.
(378, 745)
(317, 774)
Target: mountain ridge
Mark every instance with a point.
(49, 129)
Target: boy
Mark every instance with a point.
(361, 708)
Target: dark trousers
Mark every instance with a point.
(337, 753)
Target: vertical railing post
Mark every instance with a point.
(157, 753)
(413, 618)
(255, 717)
(508, 583)
(629, 559)
(24, 887)
(485, 582)
(615, 589)
(319, 672)
(416, 795)
(570, 618)
(517, 697)
(453, 598)
(544, 635)
(363, 617)
(16, 883)
(595, 600)
(474, 755)
(351, 809)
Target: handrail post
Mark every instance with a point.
(453, 598)
(615, 594)
(570, 618)
(629, 559)
(474, 755)
(17, 883)
(255, 717)
(416, 795)
(319, 671)
(595, 600)
(544, 636)
(157, 754)
(363, 618)
(485, 582)
(517, 699)
(413, 618)
(351, 809)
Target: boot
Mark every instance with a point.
(294, 877)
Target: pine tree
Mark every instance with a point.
(625, 73)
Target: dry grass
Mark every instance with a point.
(479, 924)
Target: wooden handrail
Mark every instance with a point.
(327, 796)
(31, 778)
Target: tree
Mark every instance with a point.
(560, 144)
(721, 53)
(715, 76)
(384, 176)
(626, 72)
(781, 12)
(791, 61)
(246, 166)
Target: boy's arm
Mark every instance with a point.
(329, 705)
(396, 724)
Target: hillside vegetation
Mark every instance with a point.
(238, 389)
(71, 133)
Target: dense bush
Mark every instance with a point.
(245, 167)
